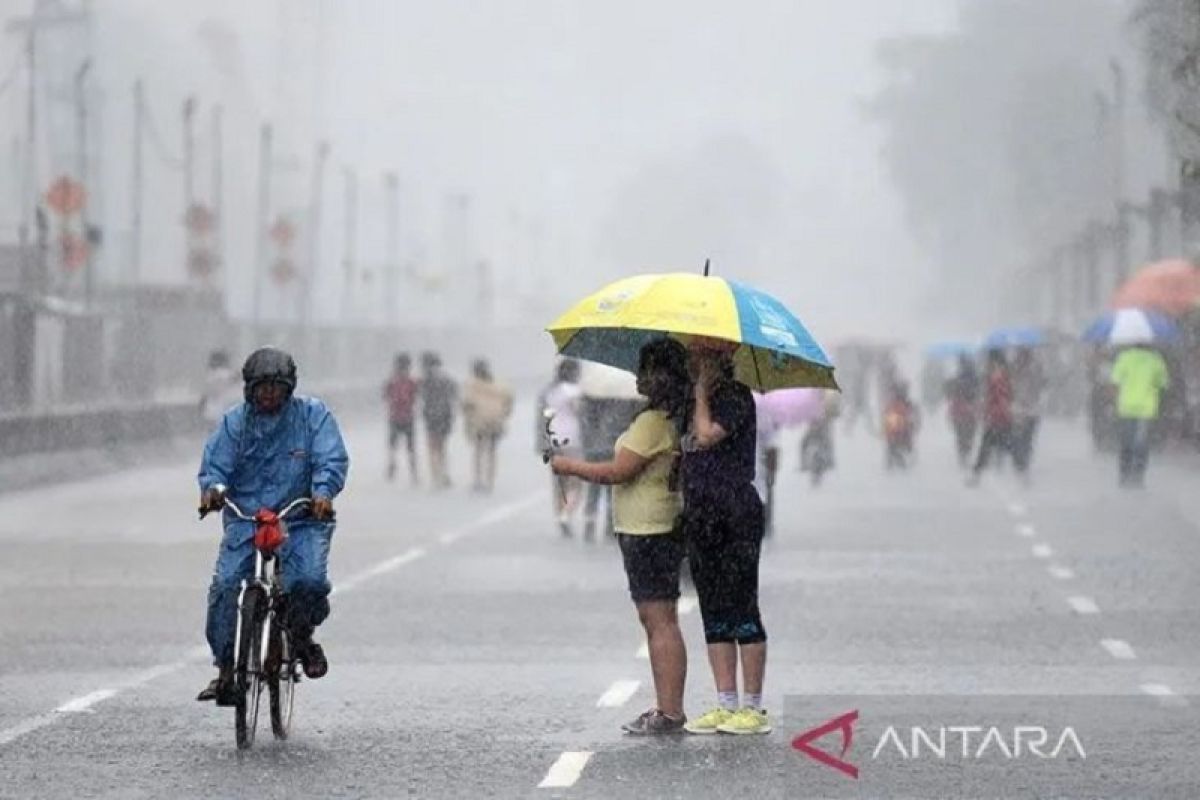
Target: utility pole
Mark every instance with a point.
(349, 242)
(261, 223)
(137, 184)
(81, 145)
(218, 190)
(315, 208)
(391, 288)
(189, 177)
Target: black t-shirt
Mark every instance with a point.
(728, 468)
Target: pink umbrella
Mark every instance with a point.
(786, 407)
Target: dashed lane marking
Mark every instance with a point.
(1061, 573)
(565, 771)
(618, 694)
(1164, 694)
(1028, 531)
(1119, 649)
(1083, 605)
(1042, 551)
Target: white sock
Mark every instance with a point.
(728, 700)
(754, 701)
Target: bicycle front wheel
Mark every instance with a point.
(251, 620)
(281, 682)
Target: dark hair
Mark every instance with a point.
(672, 395)
(402, 361)
(568, 371)
(481, 369)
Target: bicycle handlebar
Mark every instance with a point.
(237, 512)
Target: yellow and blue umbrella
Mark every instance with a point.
(774, 349)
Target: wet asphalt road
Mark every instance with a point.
(470, 644)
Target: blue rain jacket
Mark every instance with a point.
(268, 461)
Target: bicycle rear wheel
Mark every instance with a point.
(281, 681)
(249, 667)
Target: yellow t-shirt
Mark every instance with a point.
(646, 505)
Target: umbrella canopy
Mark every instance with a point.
(945, 350)
(1003, 338)
(772, 349)
(1169, 287)
(787, 407)
(1131, 326)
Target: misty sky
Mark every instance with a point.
(586, 133)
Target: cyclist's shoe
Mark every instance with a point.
(218, 688)
(709, 722)
(312, 657)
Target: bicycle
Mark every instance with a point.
(263, 654)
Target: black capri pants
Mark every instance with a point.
(724, 538)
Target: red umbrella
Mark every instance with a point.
(1171, 287)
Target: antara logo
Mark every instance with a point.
(970, 742)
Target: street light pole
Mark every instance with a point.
(81, 144)
(260, 224)
(137, 184)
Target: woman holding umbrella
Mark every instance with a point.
(740, 339)
(645, 509)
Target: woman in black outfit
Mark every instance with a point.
(723, 522)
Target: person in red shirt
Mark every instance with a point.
(400, 392)
(997, 414)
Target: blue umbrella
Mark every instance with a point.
(1004, 338)
(944, 350)
(1131, 326)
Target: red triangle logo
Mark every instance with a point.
(843, 724)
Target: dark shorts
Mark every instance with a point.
(398, 431)
(724, 539)
(652, 564)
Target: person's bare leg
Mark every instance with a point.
(491, 463)
(754, 667)
(668, 654)
(723, 658)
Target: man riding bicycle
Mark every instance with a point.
(264, 453)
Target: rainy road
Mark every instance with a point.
(476, 653)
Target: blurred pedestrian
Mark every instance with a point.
(997, 415)
(561, 404)
(723, 521)
(439, 399)
(610, 402)
(645, 513)
(487, 405)
(1141, 377)
(400, 393)
(767, 458)
(816, 446)
(901, 419)
(962, 398)
(222, 388)
(1028, 388)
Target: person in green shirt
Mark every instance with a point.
(645, 508)
(1140, 375)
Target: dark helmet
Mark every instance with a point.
(268, 365)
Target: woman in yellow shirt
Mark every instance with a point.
(645, 507)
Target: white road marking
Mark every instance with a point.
(1017, 509)
(1043, 551)
(1119, 649)
(200, 653)
(382, 568)
(81, 704)
(1163, 693)
(1028, 531)
(1060, 573)
(566, 770)
(1083, 605)
(687, 604)
(618, 694)
(644, 651)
